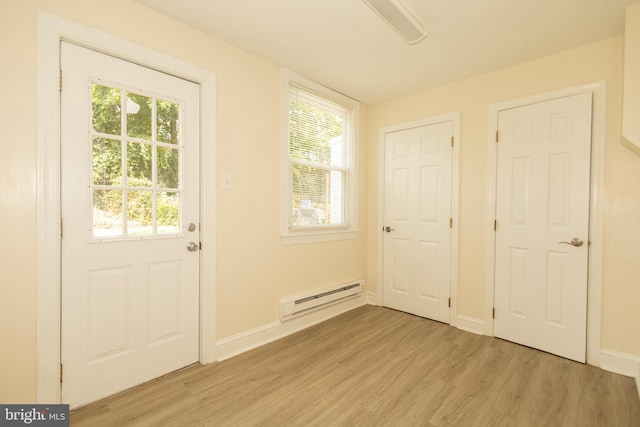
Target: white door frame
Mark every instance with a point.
(455, 190)
(51, 31)
(596, 207)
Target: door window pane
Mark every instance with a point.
(107, 213)
(139, 161)
(106, 109)
(139, 115)
(168, 164)
(139, 212)
(136, 169)
(107, 161)
(168, 122)
(168, 205)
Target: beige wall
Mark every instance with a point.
(254, 270)
(472, 97)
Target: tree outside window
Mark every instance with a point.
(320, 147)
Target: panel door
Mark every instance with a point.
(417, 212)
(129, 186)
(542, 225)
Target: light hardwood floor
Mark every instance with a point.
(377, 367)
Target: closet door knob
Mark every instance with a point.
(576, 241)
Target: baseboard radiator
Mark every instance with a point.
(293, 307)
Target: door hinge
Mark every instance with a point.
(61, 228)
(452, 141)
(497, 136)
(449, 302)
(493, 313)
(200, 245)
(61, 373)
(495, 225)
(61, 80)
(450, 222)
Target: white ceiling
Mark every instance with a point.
(344, 45)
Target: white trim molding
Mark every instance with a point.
(596, 209)
(471, 324)
(621, 363)
(51, 31)
(372, 299)
(254, 338)
(455, 202)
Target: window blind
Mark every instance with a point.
(320, 159)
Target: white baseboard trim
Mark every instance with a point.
(470, 324)
(372, 299)
(248, 340)
(621, 363)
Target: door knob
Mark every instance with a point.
(576, 241)
(192, 247)
(388, 229)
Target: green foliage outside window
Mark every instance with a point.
(107, 105)
(311, 130)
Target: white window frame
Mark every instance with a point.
(300, 235)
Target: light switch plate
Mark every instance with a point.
(227, 181)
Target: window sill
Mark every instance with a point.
(302, 237)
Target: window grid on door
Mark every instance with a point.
(136, 163)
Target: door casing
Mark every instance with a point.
(596, 207)
(51, 31)
(455, 190)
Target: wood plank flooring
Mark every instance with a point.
(377, 367)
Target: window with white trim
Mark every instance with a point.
(320, 150)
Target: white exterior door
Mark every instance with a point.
(417, 219)
(542, 241)
(129, 185)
